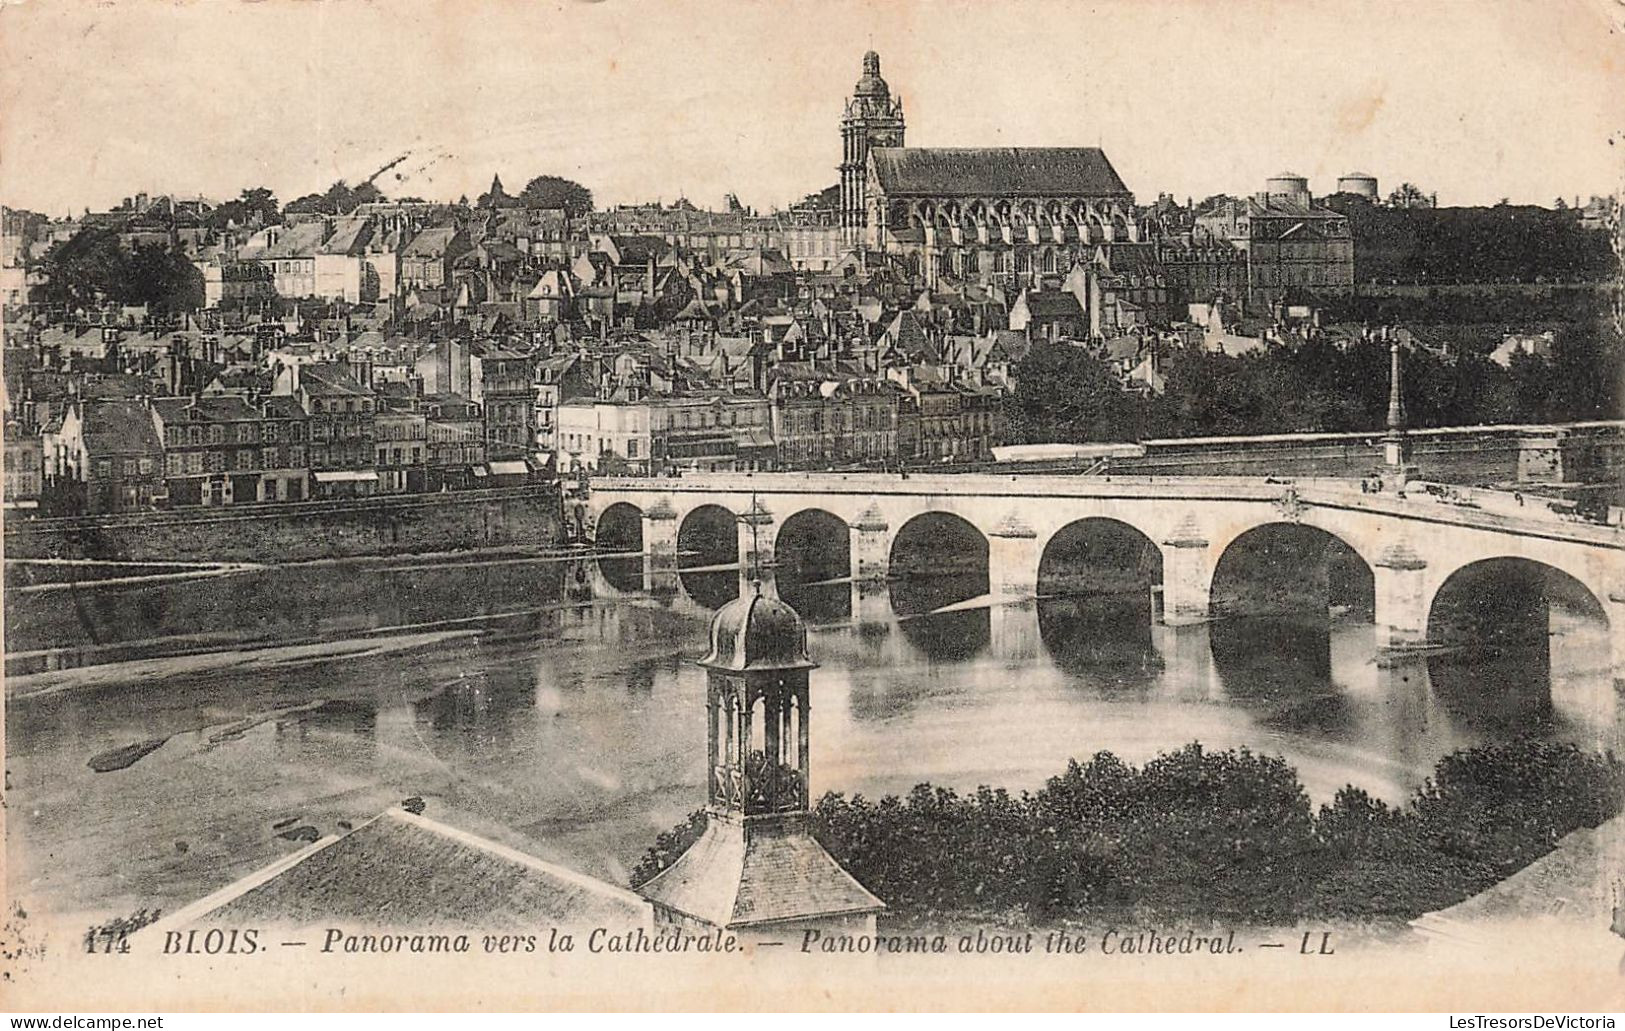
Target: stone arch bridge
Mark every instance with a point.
(1412, 544)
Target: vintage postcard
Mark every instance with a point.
(843, 505)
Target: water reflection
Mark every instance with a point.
(1104, 638)
(483, 703)
(820, 604)
(559, 700)
(83, 624)
(1502, 690)
(711, 589)
(623, 573)
(1269, 658)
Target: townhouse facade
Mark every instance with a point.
(225, 450)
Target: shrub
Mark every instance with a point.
(1195, 834)
(668, 848)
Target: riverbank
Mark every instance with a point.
(380, 525)
(90, 623)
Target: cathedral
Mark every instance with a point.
(1008, 214)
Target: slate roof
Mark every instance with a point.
(1052, 304)
(909, 338)
(431, 243)
(996, 171)
(400, 870)
(329, 379)
(640, 250)
(735, 876)
(1011, 344)
(298, 241)
(120, 428)
(1130, 257)
(350, 236)
(208, 408)
(1272, 207)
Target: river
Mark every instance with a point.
(533, 700)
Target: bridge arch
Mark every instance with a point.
(708, 555)
(1095, 581)
(1535, 639)
(1099, 555)
(1282, 567)
(619, 528)
(618, 538)
(707, 535)
(937, 558)
(813, 544)
(812, 559)
(1493, 596)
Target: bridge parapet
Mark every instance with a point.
(1412, 544)
(1495, 510)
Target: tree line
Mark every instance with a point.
(1064, 394)
(1202, 835)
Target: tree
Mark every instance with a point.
(1065, 395)
(255, 206)
(83, 271)
(93, 268)
(1560, 204)
(1409, 195)
(551, 191)
(163, 279)
(339, 199)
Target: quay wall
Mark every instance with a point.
(1569, 454)
(519, 517)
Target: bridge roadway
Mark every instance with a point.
(1413, 543)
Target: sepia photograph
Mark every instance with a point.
(618, 506)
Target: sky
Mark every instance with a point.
(642, 100)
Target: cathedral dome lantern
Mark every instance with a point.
(871, 84)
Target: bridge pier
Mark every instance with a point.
(1187, 656)
(660, 535)
(871, 604)
(1012, 559)
(757, 534)
(1401, 618)
(871, 546)
(661, 582)
(1013, 630)
(1187, 575)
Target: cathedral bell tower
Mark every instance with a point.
(874, 118)
(756, 867)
